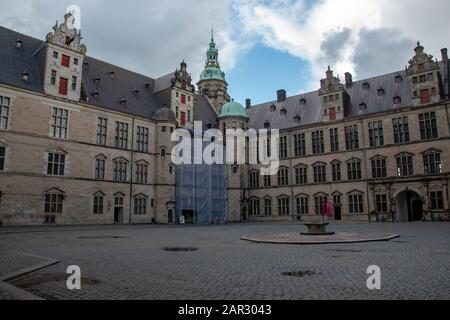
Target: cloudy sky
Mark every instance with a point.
(265, 45)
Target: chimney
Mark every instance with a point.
(248, 103)
(281, 95)
(446, 71)
(348, 80)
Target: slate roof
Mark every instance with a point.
(164, 82)
(203, 111)
(308, 105)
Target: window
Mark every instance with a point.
(332, 114)
(336, 171)
(4, 112)
(55, 54)
(267, 181)
(142, 139)
(254, 207)
(141, 172)
(299, 145)
(334, 140)
(428, 126)
(183, 99)
(75, 61)
(283, 147)
(301, 175)
(318, 144)
(354, 170)
(60, 120)
(302, 205)
(100, 169)
(121, 138)
(268, 207)
(437, 200)
(376, 135)
(63, 82)
(379, 168)
(283, 206)
(355, 203)
(163, 153)
(432, 163)
(65, 61)
(55, 164)
(351, 137)
(381, 203)
(397, 100)
(320, 204)
(54, 202)
(424, 96)
(401, 130)
(405, 166)
(2, 158)
(120, 167)
(283, 177)
(320, 173)
(140, 205)
(98, 203)
(163, 129)
(53, 77)
(102, 126)
(253, 181)
(74, 83)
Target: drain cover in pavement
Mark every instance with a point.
(180, 249)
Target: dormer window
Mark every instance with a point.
(123, 102)
(302, 101)
(283, 111)
(112, 74)
(135, 91)
(398, 79)
(95, 94)
(267, 125)
(362, 106)
(380, 92)
(19, 43)
(25, 76)
(397, 100)
(273, 108)
(96, 80)
(297, 118)
(366, 86)
(147, 85)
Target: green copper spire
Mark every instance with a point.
(212, 66)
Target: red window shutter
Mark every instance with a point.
(65, 61)
(63, 86)
(424, 96)
(183, 99)
(183, 118)
(332, 113)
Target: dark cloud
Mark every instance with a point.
(381, 51)
(334, 45)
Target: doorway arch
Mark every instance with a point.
(409, 207)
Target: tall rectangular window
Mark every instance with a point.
(60, 122)
(121, 138)
(376, 134)
(100, 169)
(2, 158)
(336, 171)
(405, 166)
(98, 204)
(320, 175)
(283, 147)
(351, 137)
(54, 203)
(102, 128)
(437, 200)
(428, 126)
(302, 205)
(268, 207)
(381, 203)
(141, 173)
(74, 83)
(401, 130)
(63, 83)
(140, 206)
(318, 144)
(120, 170)
(355, 203)
(253, 179)
(379, 168)
(53, 77)
(254, 207)
(354, 170)
(283, 206)
(320, 203)
(183, 99)
(4, 111)
(65, 61)
(299, 145)
(301, 175)
(142, 139)
(432, 163)
(334, 139)
(283, 177)
(267, 181)
(56, 164)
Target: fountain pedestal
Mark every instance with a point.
(317, 229)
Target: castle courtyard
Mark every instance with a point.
(130, 262)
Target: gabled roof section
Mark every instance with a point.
(164, 82)
(203, 111)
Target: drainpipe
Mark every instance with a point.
(291, 170)
(130, 209)
(366, 179)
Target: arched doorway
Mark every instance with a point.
(409, 207)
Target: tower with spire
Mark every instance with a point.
(212, 83)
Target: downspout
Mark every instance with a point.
(292, 190)
(366, 179)
(131, 175)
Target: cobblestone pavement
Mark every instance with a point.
(134, 265)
